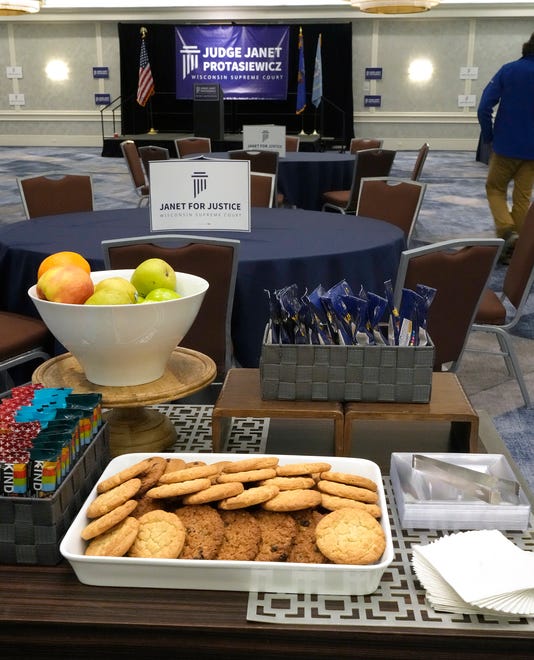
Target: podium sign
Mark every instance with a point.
(200, 194)
(267, 137)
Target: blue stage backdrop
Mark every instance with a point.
(247, 61)
(273, 51)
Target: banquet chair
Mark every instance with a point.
(459, 270)
(292, 142)
(214, 259)
(55, 193)
(420, 161)
(396, 201)
(361, 144)
(367, 163)
(192, 145)
(499, 313)
(261, 161)
(23, 339)
(261, 189)
(135, 168)
(152, 152)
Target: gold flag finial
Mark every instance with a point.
(143, 32)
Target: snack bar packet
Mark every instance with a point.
(324, 333)
(376, 308)
(357, 312)
(336, 312)
(290, 305)
(277, 326)
(427, 294)
(411, 303)
(394, 316)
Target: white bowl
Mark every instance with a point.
(124, 344)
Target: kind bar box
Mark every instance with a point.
(374, 373)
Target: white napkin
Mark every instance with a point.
(476, 571)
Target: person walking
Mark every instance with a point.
(511, 136)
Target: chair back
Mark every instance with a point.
(292, 142)
(214, 259)
(261, 189)
(368, 163)
(152, 152)
(260, 161)
(459, 270)
(420, 161)
(396, 201)
(360, 144)
(192, 145)
(520, 272)
(135, 168)
(55, 193)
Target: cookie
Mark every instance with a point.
(214, 493)
(242, 536)
(161, 535)
(122, 476)
(249, 497)
(350, 536)
(108, 520)
(350, 479)
(351, 492)
(180, 488)
(246, 477)
(332, 503)
(113, 498)
(150, 476)
(293, 500)
(174, 464)
(204, 531)
(297, 469)
(247, 464)
(116, 541)
(289, 483)
(304, 549)
(189, 473)
(146, 504)
(278, 531)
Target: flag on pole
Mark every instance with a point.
(317, 90)
(301, 78)
(145, 87)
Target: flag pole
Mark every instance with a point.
(146, 65)
(301, 83)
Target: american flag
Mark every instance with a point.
(145, 87)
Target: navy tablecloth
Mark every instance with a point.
(285, 246)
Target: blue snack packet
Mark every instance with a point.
(377, 306)
(394, 316)
(357, 312)
(411, 303)
(427, 294)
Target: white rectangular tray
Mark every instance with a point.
(447, 508)
(218, 575)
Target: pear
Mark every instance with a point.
(118, 284)
(157, 295)
(109, 296)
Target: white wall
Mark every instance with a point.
(65, 114)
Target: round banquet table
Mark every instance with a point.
(284, 246)
(303, 176)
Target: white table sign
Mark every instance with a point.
(200, 193)
(266, 137)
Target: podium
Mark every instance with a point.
(208, 111)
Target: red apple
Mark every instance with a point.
(65, 284)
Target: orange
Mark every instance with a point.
(65, 258)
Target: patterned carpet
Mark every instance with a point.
(454, 206)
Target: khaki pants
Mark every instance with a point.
(501, 172)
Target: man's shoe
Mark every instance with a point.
(508, 248)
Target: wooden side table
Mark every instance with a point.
(448, 403)
(240, 396)
(132, 426)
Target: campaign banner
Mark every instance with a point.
(200, 193)
(247, 61)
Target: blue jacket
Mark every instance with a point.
(512, 132)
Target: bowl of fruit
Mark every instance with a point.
(121, 325)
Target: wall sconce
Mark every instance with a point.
(16, 7)
(394, 6)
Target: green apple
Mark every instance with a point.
(118, 284)
(157, 295)
(153, 274)
(109, 297)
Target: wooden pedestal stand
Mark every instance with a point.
(133, 427)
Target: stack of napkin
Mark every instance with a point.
(477, 572)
